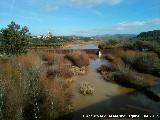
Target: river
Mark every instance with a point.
(109, 98)
(83, 46)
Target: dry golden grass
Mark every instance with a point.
(11, 77)
(86, 88)
(47, 56)
(63, 73)
(29, 60)
(110, 57)
(55, 93)
(57, 97)
(78, 58)
(92, 56)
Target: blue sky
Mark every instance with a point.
(82, 17)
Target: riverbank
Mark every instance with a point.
(57, 79)
(108, 98)
(132, 66)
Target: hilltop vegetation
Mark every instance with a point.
(150, 35)
(115, 36)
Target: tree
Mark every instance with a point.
(52, 40)
(15, 40)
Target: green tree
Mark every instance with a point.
(15, 40)
(52, 40)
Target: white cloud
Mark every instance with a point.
(52, 5)
(50, 8)
(128, 25)
(12, 4)
(155, 21)
(92, 3)
(122, 27)
(98, 13)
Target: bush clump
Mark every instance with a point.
(109, 44)
(138, 45)
(110, 57)
(78, 58)
(49, 58)
(129, 79)
(57, 100)
(145, 63)
(123, 75)
(86, 88)
(64, 73)
(106, 68)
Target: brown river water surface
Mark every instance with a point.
(109, 98)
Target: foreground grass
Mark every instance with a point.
(37, 85)
(25, 93)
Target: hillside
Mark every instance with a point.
(150, 35)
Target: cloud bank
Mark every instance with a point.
(56, 4)
(92, 3)
(122, 27)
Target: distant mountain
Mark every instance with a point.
(125, 35)
(115, 36)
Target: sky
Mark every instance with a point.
(82, 17)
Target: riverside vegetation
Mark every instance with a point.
(135, 62)
(35, 85)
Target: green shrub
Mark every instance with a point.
(106, 68)
(109, 44)
(15, 40)
(127, 45)
(157, 50)
(143, 45)
(156, 69)
(123, 75)
(2, 100)
(145, 63)
(32, 95)
(139, 45)
(129, 78)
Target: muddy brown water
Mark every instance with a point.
(80, 47)
(109, 98)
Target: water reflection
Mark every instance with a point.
(88, 46)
